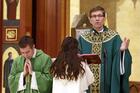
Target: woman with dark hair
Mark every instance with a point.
(71, 75)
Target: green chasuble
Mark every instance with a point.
(107, 74)
(40, 64)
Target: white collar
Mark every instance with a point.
(34, 53)
(101, 30)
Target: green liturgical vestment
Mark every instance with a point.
(40, 65)
(106, 44)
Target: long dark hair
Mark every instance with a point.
(68, 64)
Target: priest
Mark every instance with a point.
(112, 75)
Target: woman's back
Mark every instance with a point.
(70, 74)
(74, 86)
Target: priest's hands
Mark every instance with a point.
(27, 68)
(124, 44)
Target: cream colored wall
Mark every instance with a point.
(74, 10)
(128, 24)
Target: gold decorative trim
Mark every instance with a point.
(97, 39)
(11, 34)
(105, 36)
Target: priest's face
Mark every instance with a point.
(27, 52)
(97, 20)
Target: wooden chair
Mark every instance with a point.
(134, 87)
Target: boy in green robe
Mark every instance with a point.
(112, 75)
(30, 71)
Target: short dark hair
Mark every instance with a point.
(97, 8)
(26, 40)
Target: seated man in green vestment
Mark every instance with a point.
(112, 75)
(30, 71)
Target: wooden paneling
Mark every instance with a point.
(25, 17)
(51, 24)
(134, 87)
(1, 12)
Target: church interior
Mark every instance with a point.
(50, 21)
